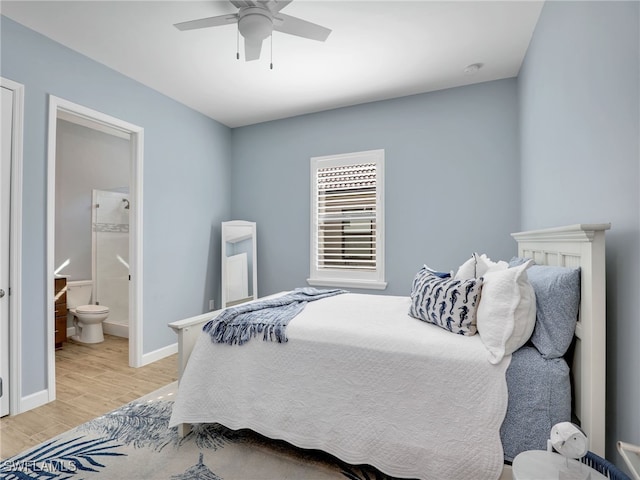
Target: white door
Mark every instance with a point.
(6, 121)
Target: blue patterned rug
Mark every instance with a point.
(134, 442)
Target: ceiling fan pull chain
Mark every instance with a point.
(271, 59)
(237, 42)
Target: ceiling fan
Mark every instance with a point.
(256, 20)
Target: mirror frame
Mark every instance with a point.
(236, 231)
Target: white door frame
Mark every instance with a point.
(60, 108)
(15, 248)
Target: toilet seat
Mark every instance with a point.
(91, 309)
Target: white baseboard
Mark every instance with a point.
(159, 354)
(116, 329)
(32, 401)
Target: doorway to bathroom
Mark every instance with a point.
(94, 220)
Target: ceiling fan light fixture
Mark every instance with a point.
(255, 23)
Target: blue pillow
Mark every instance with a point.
(437, 273)
(515, 261)
(557, 304)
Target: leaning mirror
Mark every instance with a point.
(239, 275)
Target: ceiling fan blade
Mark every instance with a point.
(252, 49)
(242, 3)
(301, 28)
(207, 22)
(276, 5)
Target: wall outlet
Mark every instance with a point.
(211, 305)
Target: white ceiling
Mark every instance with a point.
(377, 50)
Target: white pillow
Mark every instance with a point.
(467, 270)
(485, 265)
(506, 313)
(477, 266)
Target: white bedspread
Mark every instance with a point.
(362, 380)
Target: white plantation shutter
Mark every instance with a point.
(347, 217)
(346, 245)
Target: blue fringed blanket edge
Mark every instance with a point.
(269, 317)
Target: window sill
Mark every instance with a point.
(346, 283)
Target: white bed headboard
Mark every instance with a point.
(581, 246)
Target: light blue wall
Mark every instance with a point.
(580, 134)
(451, 172)
(186, 188)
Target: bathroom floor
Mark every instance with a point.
(90, 380)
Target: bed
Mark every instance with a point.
(368, 395)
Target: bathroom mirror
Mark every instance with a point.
(239, 275)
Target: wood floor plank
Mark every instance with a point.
(91, 380)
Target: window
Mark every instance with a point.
(347, 220)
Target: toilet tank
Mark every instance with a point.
(79, 293)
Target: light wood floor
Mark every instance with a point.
(91, 380)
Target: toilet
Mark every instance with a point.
(87, 318)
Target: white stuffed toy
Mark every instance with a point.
(569, 440)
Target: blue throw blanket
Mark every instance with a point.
(270, 317)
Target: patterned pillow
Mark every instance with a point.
(445, 302)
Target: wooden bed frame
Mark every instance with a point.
(571, 246)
